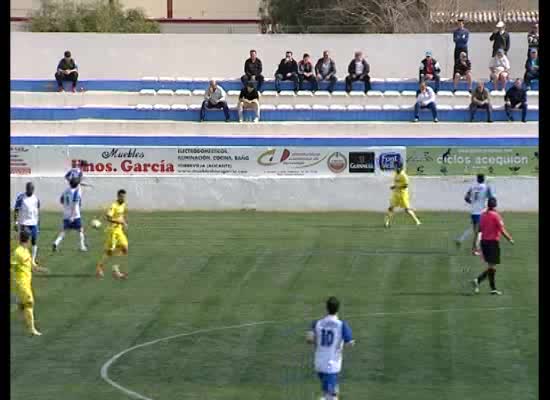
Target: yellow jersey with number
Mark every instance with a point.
(117, 211)
(401, 182)
(21, 264)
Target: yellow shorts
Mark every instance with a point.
(399, 200)
(116, 240)
(24, 295)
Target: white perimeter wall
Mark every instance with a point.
(119, 56)
(281, 194)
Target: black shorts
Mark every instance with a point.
(491, 251)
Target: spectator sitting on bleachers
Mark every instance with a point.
(514, 97)
(214, 98)
(481, 99)
(249, 98)
(358, 70)
(287, 71)
(462, 70)
(531, 68)
(500, 69)
(500, 39)
(533, 39)
(460, 37)
(253, 71)
(429, 70)
(67, 70)
(325, 69)
(425, 98)
(306, 72)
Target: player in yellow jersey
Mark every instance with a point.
(116, 242)
(400, 195)
(22, 269)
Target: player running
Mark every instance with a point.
(21, 277)
(476, 197)
(26, 214)
(400, 195)
(116, 242)
(71, 199)
(491, 227)
(329, 335)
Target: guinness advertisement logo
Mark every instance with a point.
(361, 162)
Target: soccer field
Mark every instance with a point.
(195, 277)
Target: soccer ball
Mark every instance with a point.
(96, 223)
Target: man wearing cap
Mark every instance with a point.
(491, 227)
(67, 70)
(500, 69)
(460, 37)
(531, 68)
(500, 39)
(429, 70)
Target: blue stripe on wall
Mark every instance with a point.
(259, 141)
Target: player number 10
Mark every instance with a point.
(327, 337)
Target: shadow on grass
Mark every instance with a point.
(47, 276)
(433, 294)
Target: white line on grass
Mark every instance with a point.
(105, 368)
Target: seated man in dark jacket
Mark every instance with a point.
(287, 71)
(531, 68)
(306, 72)
(325, 69)
(514, 97)
(481, 99)
(67, 70)
(253, 71)
(358, 70)
(429, 70)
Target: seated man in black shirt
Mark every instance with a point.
(66, 71)
(287, 71)
(249, 98)
(514, 97)
(253, 71)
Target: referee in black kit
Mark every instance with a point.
(491, 227)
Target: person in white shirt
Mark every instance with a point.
(477, 196)
(425, 99)
(500, 69)
(329, 335)
(26, 215)
(71, 200)
(214, 97)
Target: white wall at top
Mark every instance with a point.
(118, 56)
(280, 194)
(213, 9)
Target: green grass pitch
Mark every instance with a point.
(420, 335)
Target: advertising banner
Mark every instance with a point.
(207, 160)
(495, 161)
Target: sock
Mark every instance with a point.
(478, 240)
(413, 216)
(28, 314)
(34, 252)
(389, 217)
(482, 277)
(465, 235)
(82, 240)
(59, 238)
(492, 280)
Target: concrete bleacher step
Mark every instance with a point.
(184, 96)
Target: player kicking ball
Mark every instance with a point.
(21, 276)
(400, 195)
(476, 197)
(71, 199)
(116, 242)
(491, 227)
(329, 335)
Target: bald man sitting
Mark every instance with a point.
(214, 97)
